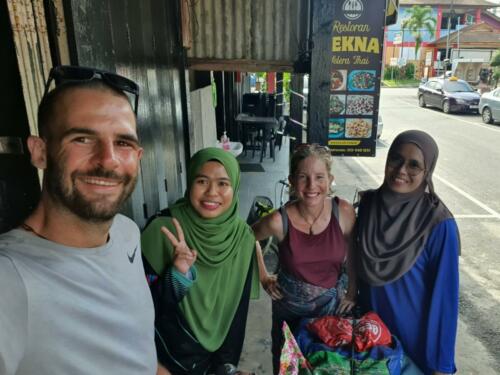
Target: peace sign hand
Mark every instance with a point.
(184, 257)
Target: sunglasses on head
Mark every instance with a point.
(65, 73)
(314, 146)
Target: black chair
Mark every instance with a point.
(278, 135)
(254, 137)
(252, 104)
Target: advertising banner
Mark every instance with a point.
(398, 38)
(356, 45)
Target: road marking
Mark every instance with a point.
(375, 178)
(472, 216)
(383, 143)
(492, 213)
(469, 197)
(455, 118)
(486, 285)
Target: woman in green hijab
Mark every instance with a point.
(199, 263)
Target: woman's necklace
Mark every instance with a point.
(28, 228)
(315, 219)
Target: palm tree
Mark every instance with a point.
(419, 19)
(495, 64)
(404, 26)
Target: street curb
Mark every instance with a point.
(399, 87)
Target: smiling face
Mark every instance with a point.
(405, 169)
(92, 153)
(211, 191)
(311, 181)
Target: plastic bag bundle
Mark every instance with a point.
(292, 361)
(364, 333)
(365, 348)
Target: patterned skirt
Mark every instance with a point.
(301, 299)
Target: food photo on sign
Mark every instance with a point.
(360, 105)
(338, 80)
(337, 104)
(362, 80)
(358, 128)
(336, 128)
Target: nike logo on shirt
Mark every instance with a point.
(131, 257)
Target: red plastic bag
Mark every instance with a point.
(370, 331)
(332, 330)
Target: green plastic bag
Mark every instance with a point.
(324, 363)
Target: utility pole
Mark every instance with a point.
(448, 35)
(458, 38)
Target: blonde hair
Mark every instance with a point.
(304, 151)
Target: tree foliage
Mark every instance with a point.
(419, 19)
(495, 64)
(495, 61)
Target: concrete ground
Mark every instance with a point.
(471, 356)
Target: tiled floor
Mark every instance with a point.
(257, 349)
(263, 183)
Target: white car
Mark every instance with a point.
(380, 126)
(489, 106)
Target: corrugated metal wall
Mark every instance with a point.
(140, 40)
(254, 30)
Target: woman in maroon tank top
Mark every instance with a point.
(315, 234)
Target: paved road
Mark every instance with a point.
(467, 178)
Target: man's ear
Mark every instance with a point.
(38, 151)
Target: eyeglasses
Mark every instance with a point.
(65, 73)
(413, 167)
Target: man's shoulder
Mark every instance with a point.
(8, 268)
(124, 228)
(122, 221)
(10, 241)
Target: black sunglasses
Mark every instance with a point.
(66, 73)
(314, 146)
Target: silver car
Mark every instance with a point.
(489, 106)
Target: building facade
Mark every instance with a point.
(459, 19)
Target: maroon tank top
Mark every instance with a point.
(314, 258)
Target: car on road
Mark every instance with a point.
(489, 106)
(449, 94)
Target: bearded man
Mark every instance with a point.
(74, 299)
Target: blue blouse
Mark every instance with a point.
(421, 307)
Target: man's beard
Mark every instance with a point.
(77, 203)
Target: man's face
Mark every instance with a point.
(92, 154)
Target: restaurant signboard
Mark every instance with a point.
(355, 69)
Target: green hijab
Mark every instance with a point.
(225, 246)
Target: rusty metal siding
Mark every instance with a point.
(263, 30)
(29, 30)
(140, 40)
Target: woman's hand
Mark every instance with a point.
(270, 285)
(346, 304)
(162, 370)
(184, 257)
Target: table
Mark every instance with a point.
(264, 124)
